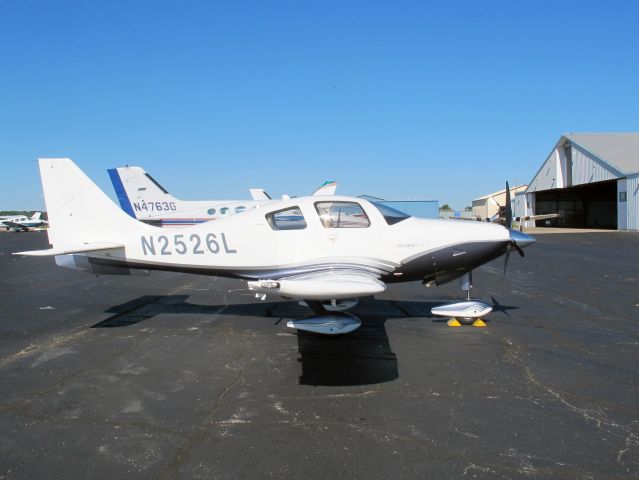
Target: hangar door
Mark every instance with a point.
(593, 205)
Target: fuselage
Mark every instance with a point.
(13, 218)
(313, 234)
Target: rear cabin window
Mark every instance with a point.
(288, 219)
(391, 215)
(342, 215)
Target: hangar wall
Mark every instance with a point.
(622, 207)
(547, 176)
(632, 202)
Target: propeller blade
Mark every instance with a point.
(506, 260)
(509, 209)
(519, 250)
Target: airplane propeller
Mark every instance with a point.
(515, 236)
(509, 210)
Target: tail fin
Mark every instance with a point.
(79, 212)
(136, 189)
(36, 216)
(327, 188)
(259, 194)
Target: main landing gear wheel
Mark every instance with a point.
(325, 322)
(329, 324)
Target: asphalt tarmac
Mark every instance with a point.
(180, 376)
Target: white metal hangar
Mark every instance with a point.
(591, 180)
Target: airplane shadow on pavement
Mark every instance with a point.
(362, 357)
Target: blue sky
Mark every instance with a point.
(437, 100)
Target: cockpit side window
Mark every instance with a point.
(287, 219)
(342, 215)
(391, 215)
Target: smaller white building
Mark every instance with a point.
(488, 205)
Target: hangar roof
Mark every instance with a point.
(620, 150)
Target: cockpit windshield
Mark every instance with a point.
(391, 215)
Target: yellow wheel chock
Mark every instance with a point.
(453, 322)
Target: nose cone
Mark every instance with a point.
(521, 239)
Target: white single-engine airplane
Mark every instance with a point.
(143, 198)
(316, 249)
(22, 222)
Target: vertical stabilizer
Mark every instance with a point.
(327, 188)
(79, 212)
(139, 194)
(259, 194)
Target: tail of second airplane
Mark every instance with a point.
(36, 216)
(139, 194)
(81, 216)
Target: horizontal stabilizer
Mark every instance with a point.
(86, 248)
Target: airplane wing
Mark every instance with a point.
(537, 217)
(472, 219)
(84, 248)
(325, 285)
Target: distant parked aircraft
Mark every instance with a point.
(143, 198)
(22, 222)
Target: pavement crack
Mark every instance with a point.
(454, 417)
(200, 432)
(632, 440)
(40, 346)
(597, 415)
(478, 468)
